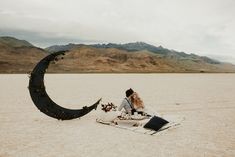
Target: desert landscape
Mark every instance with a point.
(169, 82)
(205, 101)
(71, 72)
(20, 56)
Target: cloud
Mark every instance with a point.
(196, 26)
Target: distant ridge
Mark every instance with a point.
(56, 48)
(13, 42)
(135, 46)
(20, 56)
(138, 46)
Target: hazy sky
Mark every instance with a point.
(203, 27)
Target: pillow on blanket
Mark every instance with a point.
(155, 123)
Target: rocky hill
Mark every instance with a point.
(18, 56)
(131, 57)
(85, 58)
(13, 42)
(138, 46)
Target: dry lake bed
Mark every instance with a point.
(206, 101)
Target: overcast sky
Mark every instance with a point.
(203, 27)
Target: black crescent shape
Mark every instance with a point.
(41, 99)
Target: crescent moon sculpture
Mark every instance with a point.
(41, 99)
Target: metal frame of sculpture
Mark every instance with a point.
(41, 99)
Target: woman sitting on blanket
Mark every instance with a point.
(137, 102)
(132, 103)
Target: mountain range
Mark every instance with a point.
(20, 56)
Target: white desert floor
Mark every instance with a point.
(206, 101)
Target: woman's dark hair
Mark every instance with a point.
(129, 92)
